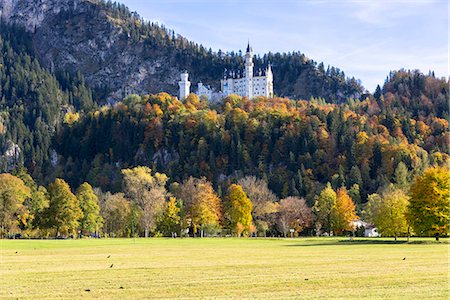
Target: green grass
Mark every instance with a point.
(223, 268)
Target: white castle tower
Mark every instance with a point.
(248, 75)
(184, 85)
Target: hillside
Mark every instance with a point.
(119, 53)
(33, 103)
(296, 146)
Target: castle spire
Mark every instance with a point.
(249, 49)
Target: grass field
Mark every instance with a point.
(223, 268)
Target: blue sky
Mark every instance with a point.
(366, 39)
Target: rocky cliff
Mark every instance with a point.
(80, 35)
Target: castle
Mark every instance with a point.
(243, 83)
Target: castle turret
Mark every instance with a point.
(249, 72)
(184, 85)
(269, 77)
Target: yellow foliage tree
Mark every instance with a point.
(239, 209)
(343, 212)
(388, 212)
(13, 193)
(429, 207)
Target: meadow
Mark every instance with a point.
(209, 268)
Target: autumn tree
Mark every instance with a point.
(343, 212)
(238, 210)
(263, 201)
(13, 193)
(170, 219)
(148, 192)
(115, 210)
(64, 212)
(91, 220)
(294, 213)
(388, 212)
(36, 203)
(201, 207)
(323, 208)
(429, 207)
(258, 192)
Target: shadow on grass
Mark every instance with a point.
(362, 242)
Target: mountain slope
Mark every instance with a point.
(33, 103)
(119, 53)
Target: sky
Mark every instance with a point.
(364, 38)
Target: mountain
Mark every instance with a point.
(119, 53)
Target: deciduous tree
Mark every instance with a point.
(259, 194)
(201, 207)
(429, 208)
(323, 208)
(170, 219)
(238, 209)
(13, 193)
(115, 210)
(294, 213)
(91, 220)
(388, 212)
(64, 212)
(343, 212)
(148, 191)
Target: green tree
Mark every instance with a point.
(91, 220)
(239, 210)
(429, 207)
(64, 212)
(13, 193)
(388, 212)
(401, 175)
(323, 208)
(148, 192)
(355, 194)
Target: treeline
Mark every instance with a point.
(148, 206)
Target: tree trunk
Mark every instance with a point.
(395, 238)
(146, 232)
(437, 236)
(408, 234)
